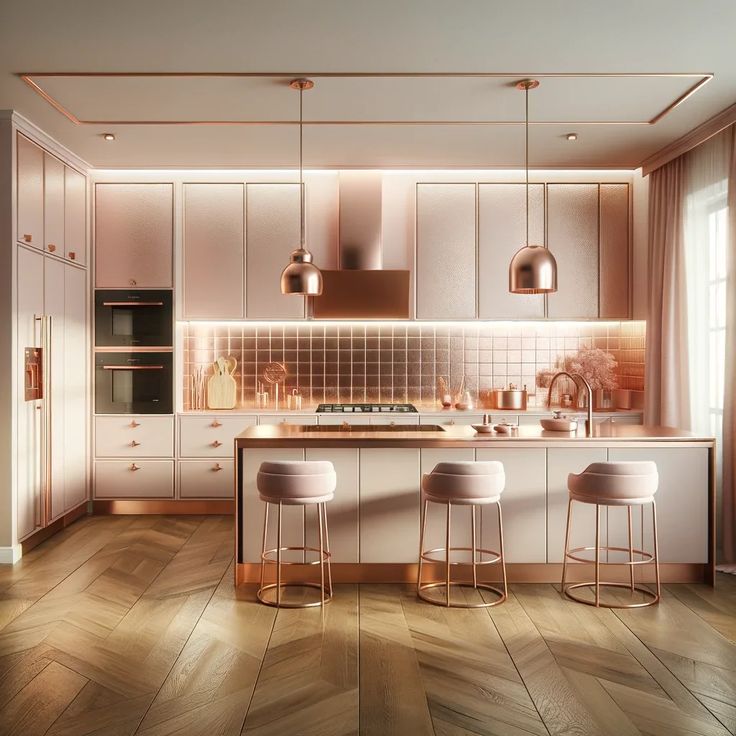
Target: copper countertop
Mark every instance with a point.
(291, 435)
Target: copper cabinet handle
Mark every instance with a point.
(72, 255)
(133, 424)
(217, 467)
(216, 443)
(134, 467)
(215, 423)
(132, 282)
(132, 367)
(27, 238)
(132, 304)
(51, 247)
(135, 444)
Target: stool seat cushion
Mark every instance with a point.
(615, 483)
(296, 481)
(465, 482)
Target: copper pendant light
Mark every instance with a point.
(301, 276)
(533, 269)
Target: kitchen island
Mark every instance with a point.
(374, 517)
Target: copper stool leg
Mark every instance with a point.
(263, 546)
(327, 549)
(278, 560)
(656, 548)
(447, 554)
(503, 554)
(597, 555)
(567, 545)
(631, 550)
(472, 543)
(421, 543)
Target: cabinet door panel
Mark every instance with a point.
(53, 204)
(342, 511)
(501, 232)
(389, 505)
(54, 307)
(572, 236)
(75, 394)
(213, 251)
(29, 417)
(523, 502)
(614, 256)
(206, 479)
(446, 267)
(252, 508)
(30, 193)
(461, 519)
(75, 216)
(682, 502)
(272, 233)
(133, 235)
(561, 462)
(134, 479)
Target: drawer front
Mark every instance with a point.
(206, 479)
(134, 479)
(210, 435)
(134, 436)
(287, 419)
(461, 420)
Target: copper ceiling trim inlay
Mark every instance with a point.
(30, 78)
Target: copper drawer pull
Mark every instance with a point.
(72, 255)
(28, 238)
(217, 443)
(51, 247)
(215, 423)
(132, 282)
(133, 424)
(135, 444)
(134, 467)
(217, 467)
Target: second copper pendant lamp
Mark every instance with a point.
(301, 276)
(533, 269)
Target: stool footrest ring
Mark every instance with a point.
(425, 555)
(261, 594)
(422, 593)
(646, 557)
(654, 598)
(270, 555)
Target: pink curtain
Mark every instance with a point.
(666, 379)
(729, 385)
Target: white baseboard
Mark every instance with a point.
(10, 555)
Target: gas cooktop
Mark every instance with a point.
(366, 409)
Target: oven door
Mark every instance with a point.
(133, 318)
(133, 383)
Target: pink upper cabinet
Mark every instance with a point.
(134, 235)
(30, 193)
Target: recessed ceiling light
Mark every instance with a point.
(572, 136)
(108, 136)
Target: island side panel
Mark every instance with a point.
(342, 511)
(389, 505)
(523, 502)
(560, 463)
(252, 507)
(682, 501)
(436, 518)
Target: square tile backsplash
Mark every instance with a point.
(401, 362)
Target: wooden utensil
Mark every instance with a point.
(221, 387)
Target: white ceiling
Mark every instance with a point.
(576, 39)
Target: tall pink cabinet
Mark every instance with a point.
(50, 312)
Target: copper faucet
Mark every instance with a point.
(574, 378)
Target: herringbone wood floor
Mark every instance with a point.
(130, 625)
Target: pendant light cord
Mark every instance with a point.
(526, 156)
(301, 168)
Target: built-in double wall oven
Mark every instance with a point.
(133, 351)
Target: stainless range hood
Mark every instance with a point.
(362, 288)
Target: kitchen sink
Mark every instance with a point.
(347, 427)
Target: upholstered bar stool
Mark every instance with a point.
(296, 483)
(626, 484)
(470, 484)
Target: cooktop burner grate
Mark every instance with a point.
(366, 409)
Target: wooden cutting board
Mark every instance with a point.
(221, 387)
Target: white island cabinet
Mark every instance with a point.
(374, 519)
